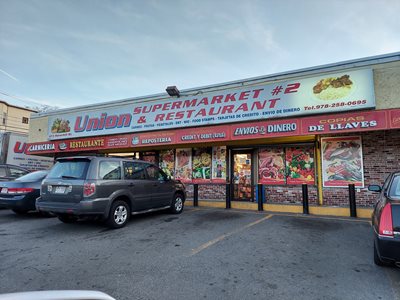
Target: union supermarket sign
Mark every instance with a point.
(345, 91)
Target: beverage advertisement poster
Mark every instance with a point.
(342, 161)
(219, 164)
(183, 166)
(202, 164)
(300, 165)
(167, 162)
(271, 166)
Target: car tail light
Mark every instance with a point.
(386, 222)
(89, 189)
(19, 190)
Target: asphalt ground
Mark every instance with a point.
(201, 254)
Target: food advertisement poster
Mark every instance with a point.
(271, 164)
(167, 162)
(219, 164)
(342, 162)
(183, 166)
(300, 165)
(202, 164)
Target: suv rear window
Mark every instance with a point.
(70, 169)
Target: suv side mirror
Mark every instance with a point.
(374, 188)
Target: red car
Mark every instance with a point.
(386, 221)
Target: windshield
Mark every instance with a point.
(34, 176)
(69, 169)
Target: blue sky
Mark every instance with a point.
(69, 53)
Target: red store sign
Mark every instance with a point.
(325, 124)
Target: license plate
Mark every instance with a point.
(4, 190)
(59, 190)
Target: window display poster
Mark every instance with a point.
(300, 165)
(271, 166)
(202, 164)
(342, 161)
(167, 162)
(219, 164)
(183, 166)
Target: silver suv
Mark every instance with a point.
(112, 188)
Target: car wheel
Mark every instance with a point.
(67, 218)
(177, 204)
(119, 214)
(20, 211)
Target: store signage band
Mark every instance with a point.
(328, 124)
(345, 91)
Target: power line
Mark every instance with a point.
(26, 101)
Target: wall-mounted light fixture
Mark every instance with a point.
(173, 91)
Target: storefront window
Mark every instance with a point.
(202, 164)
(300, 165)
(183, 167)
(219, 164)
(167, 162)
(271, 166)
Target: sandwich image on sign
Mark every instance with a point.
(333, 88)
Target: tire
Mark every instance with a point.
(20, 211)
(120, 213)
(177, 204)
(68, 219)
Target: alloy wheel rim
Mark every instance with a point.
(120, 214)
(178, 204)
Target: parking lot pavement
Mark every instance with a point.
(200, 254)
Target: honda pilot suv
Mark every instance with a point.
(111, 188)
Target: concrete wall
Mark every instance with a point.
(38, 130)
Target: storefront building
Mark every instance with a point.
(327, 127)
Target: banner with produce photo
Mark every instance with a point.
(183, 166)
(167, 162)
(202, 164)
(271, 166)
(219, 164)
(300, 165)
(342, 162)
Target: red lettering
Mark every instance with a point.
(202, 112)
(242, 107)
(170, 116)
(257, 93)
(244, 95)
(230, 97)
(190, 112)
(18, 148)
(203, 101)
(217, 99)
(258, 105)
(137, 110)
(156, 107)
(159, 117)
(292, 87)
(166, 106)
(189, 103)
(176, 104)
(227, 109)
(273, 102)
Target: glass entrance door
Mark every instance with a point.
(242, 176)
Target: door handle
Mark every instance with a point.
(131, 184)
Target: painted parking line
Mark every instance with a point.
(224, 236)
